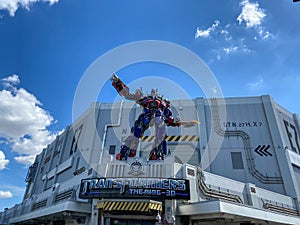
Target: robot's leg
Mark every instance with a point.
(152, 155)
(124, 152)
(159, 147)
(141, 125)
(129, 148)
(131, 143)
(158, 151)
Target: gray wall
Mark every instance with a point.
(255, 132)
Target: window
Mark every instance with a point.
(73, 146)
(76, 137)
(112, 149)
(237, 160)
(49, 183)
(47, 159)
(77, 163)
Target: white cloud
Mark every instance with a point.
(230, 49)
(13, 79)
(5, 194)
(226, 34)
(263, 34)
(3, 161)
(14, 190)
(206, 33)
(23, 122)
(12, 5)
(226, 39)
(251, 14)
(242, 48)
(27, 160)
(10, 82)
(237, 38)
(256, 84)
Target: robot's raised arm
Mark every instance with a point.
(123, 90)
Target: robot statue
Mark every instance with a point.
(156, 112)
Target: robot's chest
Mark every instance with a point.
(152, 103)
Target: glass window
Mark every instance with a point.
(148, 222)
(112, 149)
(237, 160)
(117, 222)
(134, 222)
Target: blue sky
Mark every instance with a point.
(252, 48)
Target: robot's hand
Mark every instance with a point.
(115, 78)
(191, 123)
(177, 119)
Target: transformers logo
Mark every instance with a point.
(169, 188)
(136, 168)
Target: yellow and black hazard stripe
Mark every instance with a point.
(155, 206)
(174, 138)
(135, 206)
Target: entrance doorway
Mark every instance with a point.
(113, 221)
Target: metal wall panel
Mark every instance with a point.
(246, 130)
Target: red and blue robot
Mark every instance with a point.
(156, 112)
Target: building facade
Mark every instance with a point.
(241, 165)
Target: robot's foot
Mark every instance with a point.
(119, 156)
(156, 155)
(125, 153)
(132, 153)
(152, 155)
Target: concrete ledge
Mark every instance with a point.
(55, 209)
(220, 209)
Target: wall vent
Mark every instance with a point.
(39, 204)
(63, 195)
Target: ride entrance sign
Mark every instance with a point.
(166, 188)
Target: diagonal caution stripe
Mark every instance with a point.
(173, 138)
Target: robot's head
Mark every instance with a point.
(138, 92)
(154, 92)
